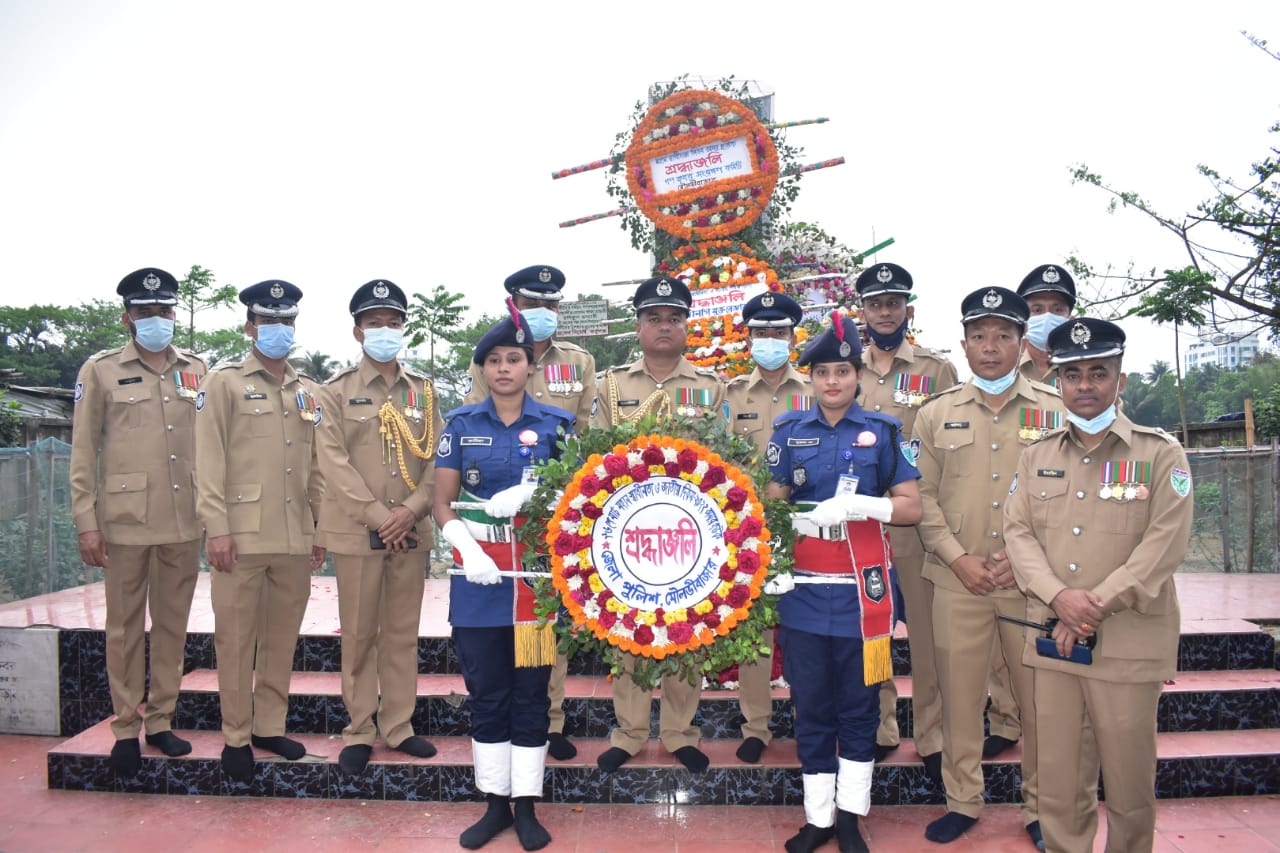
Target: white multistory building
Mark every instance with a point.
(1226, 350)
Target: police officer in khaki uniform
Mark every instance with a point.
(661, 382)
(970, 437)
(755, 402)
(377, 438)
(897, 380)
(133, 503)
(564, 376)
(1050, 292)
(258, 495)
(1096, 522)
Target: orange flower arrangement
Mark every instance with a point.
(715, 207)
(689, 624)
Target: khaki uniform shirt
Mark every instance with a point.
(363, 479)
(754, 405)
(625, 393)
(967, 457)
(1028, 368)
(1061, 534)
(565, 377)
(917, 373)
(133, 448)
(256, 457)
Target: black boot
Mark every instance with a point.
(847, 834)
(560, 747)
(285, 747)
(237, 762)
(497, 817)
(126, 757)
(532, 835)
(169, 743)
(810, 838)
(354, 757)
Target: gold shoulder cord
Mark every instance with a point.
(659, 402)
(394, 426)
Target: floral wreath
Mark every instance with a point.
(693, 118)
(658, 633)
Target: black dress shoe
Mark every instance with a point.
(354, 758)
(949, 827)
(418, 747)
(994, 745)
(237, 763)
(810, 838)
(750, 750)
(169, 743)
(694, 759)
(613, 758)
(1033, 829)
(560, 747)
(933, 767)
(285, 747)
(126, 757)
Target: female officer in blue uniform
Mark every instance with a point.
(486, 455)
(835, 636)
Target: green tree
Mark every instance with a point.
(198, 293)
(48, 343)
(433, 318)
(1231, 244)
(10, 424)
(319, 366)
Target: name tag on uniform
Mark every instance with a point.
(258, 396)
(1050, 472)
(748, 416)
(132, 380)
(629, 402)
(360, 401)
(803, 442)
(477, 441)
(956, 425)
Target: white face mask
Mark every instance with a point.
(1098, 422)
(995, 386)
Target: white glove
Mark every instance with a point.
(506, 503)
(831, 512)
(862, 507)
(478, 565)
(780, 584)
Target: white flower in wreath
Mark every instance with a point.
(744, 194)
(669, 454)
(670, 112)
(725, 611)
(660, 636)
(701, 467)
(718, 262)
(570, 560)
(705, 106)
(715, 219)
(740, 210)
(575, 583)
(569, 526)
(689, 272)
(720, 198)
(717, 326)
(703, 352)
(600, 472)
(742, 266)
(591, 609)
(578, 502)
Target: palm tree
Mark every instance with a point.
(1158, 369)
(317, 365)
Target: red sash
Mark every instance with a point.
(867, 556)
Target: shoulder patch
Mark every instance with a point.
(468, 382)
(1013, 487)
(772, 454)
(595, 406)
(200, 401)
(1180, 479)
(79, 395)
(445, 447)
(908, 453)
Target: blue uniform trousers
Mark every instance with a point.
(508, 703)
(836, 715)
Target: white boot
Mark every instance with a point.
(492, 763)
(820, 799)
(853, 786)
(527, 766)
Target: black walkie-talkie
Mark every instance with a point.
(1081, 652)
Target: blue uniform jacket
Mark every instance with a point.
(491, 456)
(809, 455)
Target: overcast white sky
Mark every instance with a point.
(329, 143)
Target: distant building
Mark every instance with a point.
(1224, 350)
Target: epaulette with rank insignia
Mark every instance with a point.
(787, 417)
(224, 365)
(938, 396)
(569, 345)
(106, 352)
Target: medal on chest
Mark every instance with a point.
(186, 383)
(693, 402)
(307, 407)
(412, 404)
(912, 390)
(1125, 480)
(1035, 424)
(563, 378)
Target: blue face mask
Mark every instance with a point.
(995, 386)
(1094, 425)
(543, 322)
(383, 344)
(770, 353)
(153, 333)
(889, 342)
(275, 340)
(1039, 327)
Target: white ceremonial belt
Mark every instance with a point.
(834, 533)
(488, 532)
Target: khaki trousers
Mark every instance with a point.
(755, 696)
(379, 609)
(631, 706)
(1003, 714)
(964, 628)
(555, 692)
(161, 578)
(1090, 723)
(926, 699)
(257, 611)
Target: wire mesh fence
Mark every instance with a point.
(1236, 529)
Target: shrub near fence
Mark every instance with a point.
(1237, 520)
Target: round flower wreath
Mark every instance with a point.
(689, 119)
(658, 633)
